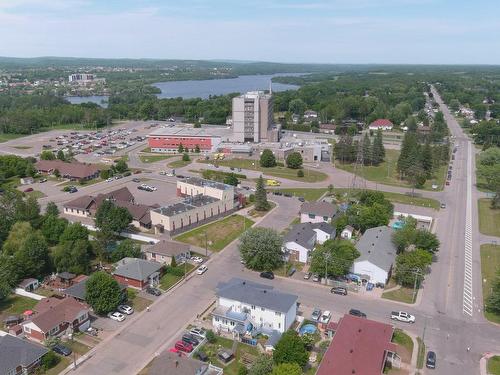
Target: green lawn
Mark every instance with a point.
(402, 295)
(179, 163)
(4, 137)
(36, 194)
(279, 172)
(494, 365)
(255, 214)
(490, 265)
(63, 363)
(489, 219)
(15, 305)
(22, 147)
(137, 302)
(386, 173)
(154, 158)
(307, 194)
(169, 279)
(421, 353)
(403, 339)
(219, 234)
(77, 347)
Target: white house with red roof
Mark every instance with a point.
(382, 124)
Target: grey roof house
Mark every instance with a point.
(173, 364)
(316, 212)
(378, 255)
(137, 273)
(163, 251)
(77, 290)
(302, 239)
(19, 356)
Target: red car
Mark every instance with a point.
(28, 190)
(447, 182)
(177, 351)
(183, 346)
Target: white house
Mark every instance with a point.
(317, 212)
(378, 255)
(245, 307)
(302, 238)
(347, 233)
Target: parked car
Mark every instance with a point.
(199, 332)
(430, 361)
(302, 199)
(109, 179)
(43, 180)
(201, 270)
(447, 183)
(288, 195)
(267, 275)
(197, 259)
(443, 205)
(62, 350)
(316, 314)
(358, 313)
(190, 339)
(176, 351)
(325, 317)
(125, 309)
(339, 290)
(183, 346)
(179, 176)
(402, 317)
(119, 317)
(72, 189)
(135, 179)
(153, 291)
(28, 190)
(307, 275)
(316, 278)
(434, 186)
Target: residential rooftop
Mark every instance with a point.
(15, 351)
(376, 246)
(135, 268)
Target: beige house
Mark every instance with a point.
(164, 251)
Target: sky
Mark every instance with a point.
(318, 31)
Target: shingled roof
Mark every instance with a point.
(16, 352)
(50, 312)
(136, 269)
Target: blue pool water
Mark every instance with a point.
(307, 328)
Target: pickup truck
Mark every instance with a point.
(402, 316)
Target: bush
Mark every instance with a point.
(300, 173)
(49, 360)
(210, 336)
(185, 157)
(176, 271)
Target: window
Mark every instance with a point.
(262, 309)
(27, 329)
(277, 313)
(82, 318)
(279, 325)
(325, 218)
(232, 323)
(312, 216)
(216, 318)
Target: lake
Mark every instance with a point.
(101, 100)
(205, 88)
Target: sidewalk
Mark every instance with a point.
(483, 363)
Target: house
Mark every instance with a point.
(164, 251)
(173, 364)
(54, 317)
(245, 307)
(76, 170)
(317, 212)
(26, 180)
(359, 346)
(378, 255)
(137, 273)
(78, 289)
(310, 115)
(18, 356)
(29, 284)
(347, 233)
(382, 124)
(302, 238)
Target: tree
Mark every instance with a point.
(105, 174)
(411, 265)
(261, 203)
(126, 249)
(52, 228)
(111, 219)
(333, 258)
(267, 159)
(28, 210)
(231, 179)
(287, 369)
(18, 233)
(210, 336)
(331, 189)
(102, 292)
(300, 173)
(180, 149)
(197, 149)
(56, 173)
(9, 275)
(30, 170)
(290, 349)
(51, 209)
(378, 150)
(33, 256)
(72, 256)
(367, 150)
(260, 248)
(121, 166)
(49, 360)
(263, 365)
(185, 157)
(73, 232)
(297, 106)
(426, 159)
(47, 155)
(426, 240)
(60, 155)
(493, 301)
(371, 216)
(294, 160)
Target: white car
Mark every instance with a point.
(169, 174)
(200, 332)
(325, 317)
(119, 317)
(125, 309)
(201, 270)
(197, 259)
(109, 179)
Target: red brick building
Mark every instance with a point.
(137, 273)
(168, 140)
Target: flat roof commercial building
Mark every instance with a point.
(168, 140)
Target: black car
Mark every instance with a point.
(202, 356)
(339, 290)
(153, 291)
(179, 176)
(288, 195)
(358, 313)
(190, 339)
(267, 275)
(431, 360)
(62, 350)
(302, 199)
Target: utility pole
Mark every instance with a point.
(206, 244)
(417, 274)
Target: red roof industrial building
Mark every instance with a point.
(359, 346)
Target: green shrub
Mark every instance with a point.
(210, 336)
(49, 360)
(300, 173)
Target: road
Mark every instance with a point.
(449, 316)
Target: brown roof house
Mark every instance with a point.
(164, 250)
(74, 169)
(55, 317)
(86, 206)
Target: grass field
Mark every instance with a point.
(4, 137)
(308, 194)
(219, 234)
(490, 265)
(494, 365)
(278, 172)
(169, 279)
(421, 353)
(77, 347)
(137, 302)
(15, 305)
(402, 295)
(489, 219)
(405, 341)
(36, 194)
(63, 363)
(179, 163)
(386, 173)
(154, 158)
